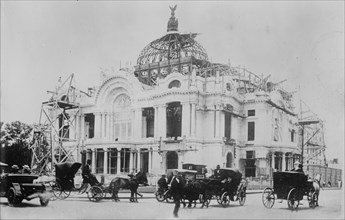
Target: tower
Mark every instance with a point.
(55, 139)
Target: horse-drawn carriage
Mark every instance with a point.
(225, 187)
(228, 185)
(64, 183)
(291, 186)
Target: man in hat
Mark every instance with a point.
(297, 167)
(88, 177)
(14, 169)
(163, 183)
(26, 169)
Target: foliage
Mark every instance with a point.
(15, 143)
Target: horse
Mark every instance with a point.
(125, 183)
(193, 191)
(317, 186)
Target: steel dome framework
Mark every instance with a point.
(172, 46)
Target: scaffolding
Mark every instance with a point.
(55, 137)
(312, 137)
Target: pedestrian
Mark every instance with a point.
(176, 191)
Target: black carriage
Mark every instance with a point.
(290, 186)
(227, 186)
(19, 186)
(64, 183)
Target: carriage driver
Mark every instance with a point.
(88, 177)
(297, 167)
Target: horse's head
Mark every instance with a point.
(317, 178)
(141, 178)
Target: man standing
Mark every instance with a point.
(176, 191)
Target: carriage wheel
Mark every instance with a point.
(241, 195)
(225, 200)
(312, 200)
(95, 194)
(159, 196)
(268, 197)
(168, 197)
(291, 199)
(58, 192)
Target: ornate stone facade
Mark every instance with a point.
(194, 112)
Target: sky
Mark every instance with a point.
(301, 41)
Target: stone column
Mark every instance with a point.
(156, 129)
(118, 170)
(111, 129)
(217, 120)
(93, 164)
(283, 162)
(150, 160)
(193, 121)
(186, 119)
(273, 161)
(138, 160)
(130, 161)
(103, 125)
(105, 161)
(98, 125)
(108, 127)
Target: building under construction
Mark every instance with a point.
(173, 107)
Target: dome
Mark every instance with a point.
(173, 45)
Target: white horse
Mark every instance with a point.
(317, 186)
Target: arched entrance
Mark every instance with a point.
(172, 160)
(229, 160)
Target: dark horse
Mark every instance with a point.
(131, 183)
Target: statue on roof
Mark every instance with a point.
(173, 9)
(173, 22)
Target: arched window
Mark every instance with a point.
(229, 160)
(122, 117)
(174, 84)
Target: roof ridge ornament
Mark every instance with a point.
(173, 22)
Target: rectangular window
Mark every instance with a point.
(250, 167)
(251, 131)
(112, 161)
(250, 155)
(251, 112)
(292, 132)
(99, 161)
(227, 129)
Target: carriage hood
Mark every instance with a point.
(66, 169)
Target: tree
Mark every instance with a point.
(15, 143)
